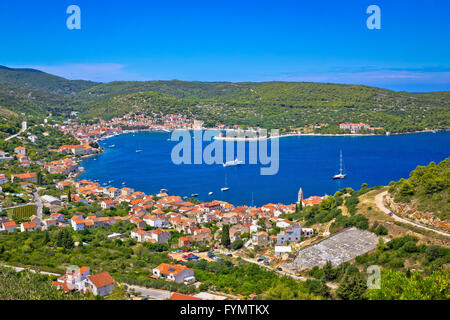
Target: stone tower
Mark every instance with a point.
(300, 197)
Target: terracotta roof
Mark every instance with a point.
(179, 296)
(28, 225)
(9, 224)
(101, 279)
(174, 269)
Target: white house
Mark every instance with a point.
(81, 280)
(153, 221)
(284, 224)
(173, 272)
(27, 226)
(77, 222)
(8, 226)
(100, 284)
(106, 204)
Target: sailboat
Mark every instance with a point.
(225, 188)
(340, 175)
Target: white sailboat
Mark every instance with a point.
(225, 188)
(340, 175)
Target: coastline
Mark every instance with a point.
(274, 137)
(324, 135)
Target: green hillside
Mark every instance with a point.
(426, 189)
(35, 102)
(32, 79)
(282, 105)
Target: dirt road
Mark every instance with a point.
(380, 204)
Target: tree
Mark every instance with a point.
(328, 271)
(69, 196)
(46, 238)
(352, 287)
(395, 285)
(237, 244)
(225, 237)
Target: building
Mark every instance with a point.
(32, 138)
(20, 150)
(354, 127)
(291, 234)
(3, 179)
(27, 226)
(100, 284)
(29, 177)
(106, 204)
(313, 200)
(81, 280)
(173, 272)
(260, 238)
(8, 226)
(51, 200)
(300, 197)
(180, 296)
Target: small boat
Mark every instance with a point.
(123, 182)
(340, 175)
(112, 146)
(138, 150)
(185, 197)
(235, 162)
(224, 189)
(163, 191)
(194, 195)
(210, 193)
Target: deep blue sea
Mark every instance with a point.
(308, 162)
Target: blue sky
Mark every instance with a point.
(227, 40)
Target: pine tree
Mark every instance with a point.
(225, 238)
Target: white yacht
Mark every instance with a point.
(340, 175)
(235, 162)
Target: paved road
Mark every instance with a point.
(18, 269)
(150, 292)
(38, 203)
(380, 204)
(24, 128)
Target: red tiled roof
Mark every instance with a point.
(179, 296)
(101, 279)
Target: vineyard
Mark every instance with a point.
(21, 213)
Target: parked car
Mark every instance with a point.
(279, 269)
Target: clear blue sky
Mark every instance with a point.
(228, 40)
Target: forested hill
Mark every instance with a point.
(282, 105)
(32, 79)
(426, 189)
(33, 102)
